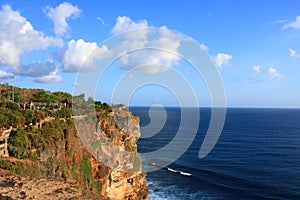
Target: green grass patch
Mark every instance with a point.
(4, 164)
(43, 174)
(97, 186)
(73, 172)
(20, 169)
(70, 152)
(86, 168)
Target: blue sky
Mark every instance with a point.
(255, 46)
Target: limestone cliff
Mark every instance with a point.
(101, 158)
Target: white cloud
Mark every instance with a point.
(270, 72)
(273, 73)
(222, 59)
(101, 20)
(35, 69)
(60, 14)
(51, 78)
(76, 84)
(6, 77)
(204, 47)
(279, 21)
(293, 53)
(124, 23)
(165, 42)
(81, 54)
(150, 60)
(17, 36)
(257, 69)
(294, 24)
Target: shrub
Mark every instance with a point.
(86, 168)
(18, 144)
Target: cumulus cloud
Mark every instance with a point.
(152, 60)
(257, 69)
(51, 78)
(6, 77)
(145, 59)
(59, 16)
(204, 47)
(80, 54)
(124, 23)
(294, 24)
(222, 59)
(35, 69)
(17, 36)
(271, 72)
(293, 53)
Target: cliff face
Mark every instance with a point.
(126, 180)
(103, 160)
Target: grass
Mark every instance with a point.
(73, 172)
(86, 168)
(97, 185)
(20, 169)
(4, 164)
(43, 174)
(70, 153)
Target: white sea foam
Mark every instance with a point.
(185, 174)
(172, 170)
(180, 172)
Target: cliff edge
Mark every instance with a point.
(72, 157)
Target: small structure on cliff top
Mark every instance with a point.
(3, 143)
(64, 103)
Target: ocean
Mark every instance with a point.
(256, 157)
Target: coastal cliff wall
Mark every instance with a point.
(61, 155)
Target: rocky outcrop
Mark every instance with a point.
(114, 145)
(20, 187)
(102, 159)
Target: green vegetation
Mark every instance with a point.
(73, 172)
(57, 163)
(137, 163)
(63, 113)
(6, 165)
(63, 176)
(18, 144)
(42, 174)
(86, 168)
(97, 185)
(34, 168)
(97, 145)
(39, 118)
(70, 153)
(44, 96)
(64, 95)
(101, 106)
(10, 114)
(19, 169)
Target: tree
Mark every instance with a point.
(64, 95)
(18, 143)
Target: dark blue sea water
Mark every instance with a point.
(257, 157)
